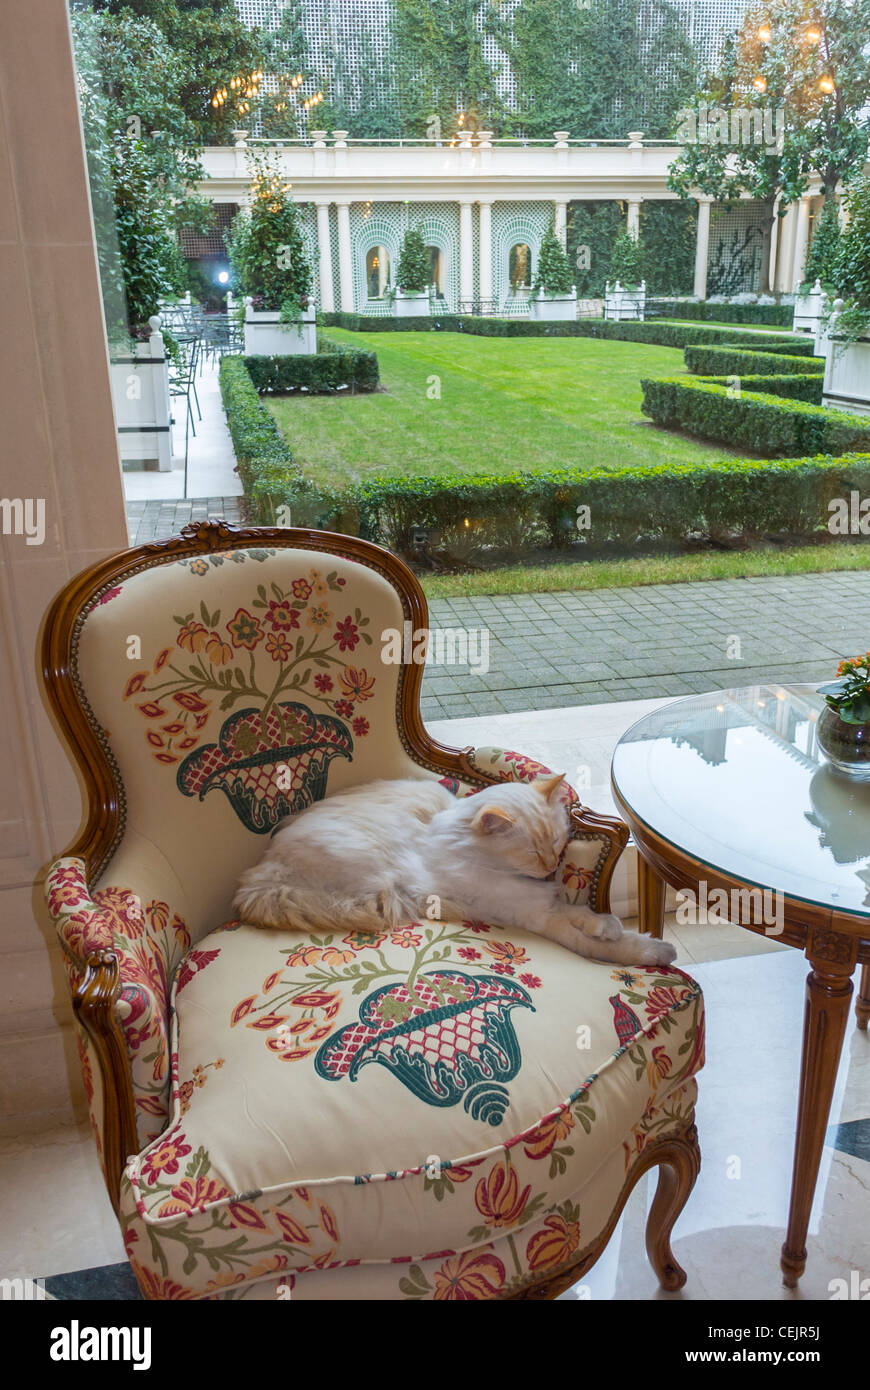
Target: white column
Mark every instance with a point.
(561, 221)
(345, 256)
(633, 227)
(485, 250)
(702, 247)
(327, 298)
(466, 253)
(801, 238)
(774, 246)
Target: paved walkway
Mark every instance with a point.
(159, 519)
(548, 651)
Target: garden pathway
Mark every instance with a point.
(549, 651)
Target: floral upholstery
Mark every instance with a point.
(227, 691)
(431, 1089)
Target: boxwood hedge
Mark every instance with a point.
(800, 386)
(737, 361)
(762, 422)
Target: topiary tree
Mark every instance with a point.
(554, 270)
(413, 274)
(824, 249)
(625, 261)
(266, 249)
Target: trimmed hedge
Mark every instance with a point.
(801, 386)
(658, 331)
(727, 361)
(514, 511)
(386, 323)
(333, 367)
(261, 451)
(775, 315)
(761, 422)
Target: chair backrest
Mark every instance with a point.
(213, 684)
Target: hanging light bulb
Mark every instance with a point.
(764, 33)
(813, 35)
(760, 84)
(826, 84)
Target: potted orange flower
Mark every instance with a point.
(844, 727)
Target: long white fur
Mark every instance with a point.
(390, 852)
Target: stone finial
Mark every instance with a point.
(561, 138)
(635, 139)
(241, 139)
(484, 139)
(340, 138)
(319, 139)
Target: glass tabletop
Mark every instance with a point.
(737, 780)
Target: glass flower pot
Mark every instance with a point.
(846, 746)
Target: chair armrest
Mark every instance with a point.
(591, 856)
(95, 999)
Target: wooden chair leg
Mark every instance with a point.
(862, 1003)
(680, 1162)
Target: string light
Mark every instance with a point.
(760, 84)
(826, 84)
(764, 33)
(813, 35)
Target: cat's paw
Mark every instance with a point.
(602, 926)
(653, 952)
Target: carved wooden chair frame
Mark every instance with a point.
(94, 999)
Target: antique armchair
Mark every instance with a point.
(207, 686)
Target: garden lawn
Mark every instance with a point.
(453, 404)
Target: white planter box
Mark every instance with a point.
(847, 375)
(267, 336)
(555, 306)
(140, 395)
(807, 317)
(621, 304)
(411, 304)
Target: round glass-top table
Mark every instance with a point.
(731, 792)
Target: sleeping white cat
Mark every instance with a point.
(378, 856)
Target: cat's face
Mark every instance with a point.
(524, 826)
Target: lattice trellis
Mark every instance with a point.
(514, 223)
(384, 224)
(307, 215)
(735, 248)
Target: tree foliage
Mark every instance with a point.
(824, 252)
(267, 252)
(805, 98)
(413, 273)
(554, 271)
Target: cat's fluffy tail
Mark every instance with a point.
(264, 900)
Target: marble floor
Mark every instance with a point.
(57, 1219)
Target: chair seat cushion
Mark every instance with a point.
(361, 1098)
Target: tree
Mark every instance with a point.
(788, 101)
(824, 252)
(267, 252)
(625, 260)
(554, 271)
(216, 49)
(142, 162)
(413, 274)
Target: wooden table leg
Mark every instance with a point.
(862, 1003)
(650, 898)
(829, 989)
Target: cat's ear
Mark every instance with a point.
(492, 820)
(548, 786)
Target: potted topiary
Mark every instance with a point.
(846, 341)
(625, 298)
(271, 269)
(411, 296)
(555, 294)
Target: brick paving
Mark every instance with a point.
(156, 520)
(548, 651)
